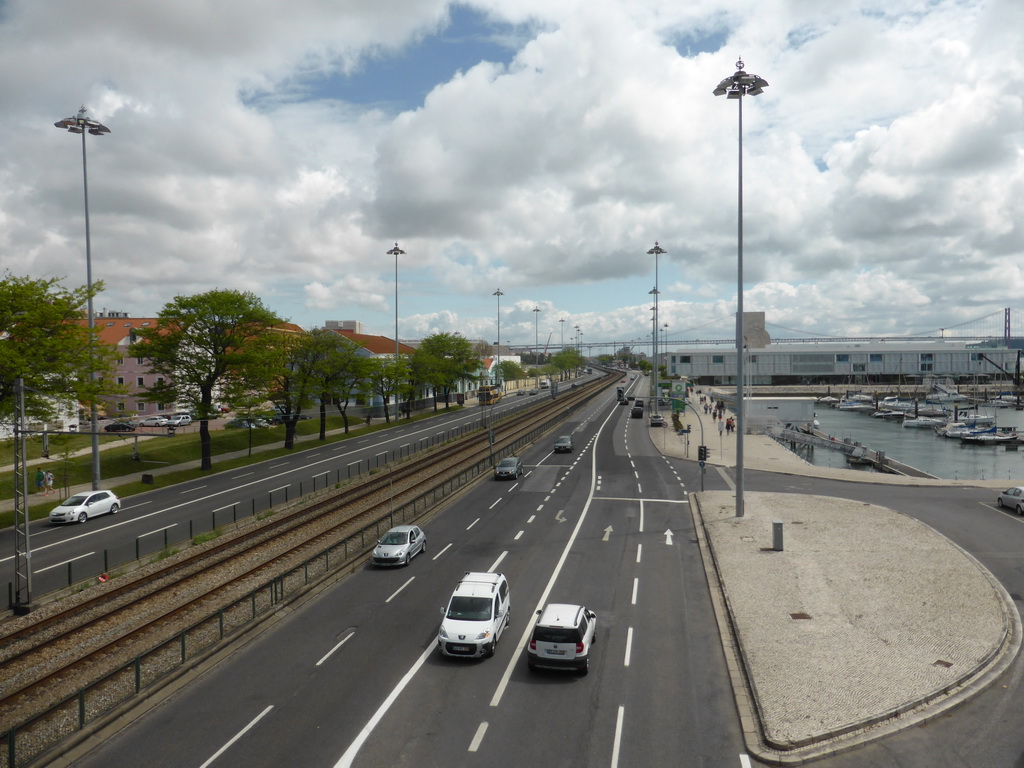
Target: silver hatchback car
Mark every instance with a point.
(82, 506)
(509, 469)
(399, 545)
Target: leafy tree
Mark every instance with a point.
(341, 366)
(567, 360)
(442, 360)
(45, 342)
(386, 376)
(300, 357)
(511, 370)
(213, 344)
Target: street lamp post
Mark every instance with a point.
(736, 86)
(396, 252)
(536, 337)
(497, 371)
(656, 251)
(83, 125)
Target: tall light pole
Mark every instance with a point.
(83, 125)
(396, 252)
(536, 337)
(736, 86)
(664, 349)
(497, 374)
(656, 251)
(561, 333)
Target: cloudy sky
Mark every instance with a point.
(539, 147)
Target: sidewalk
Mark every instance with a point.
(865, 623)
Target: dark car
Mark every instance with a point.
(563, 444)
(637, 412)
(510, 468)
(119, 426)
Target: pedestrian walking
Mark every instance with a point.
(40, 480)
(48, 482)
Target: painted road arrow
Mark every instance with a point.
(558, 516)
(607, 533)
(668, 537)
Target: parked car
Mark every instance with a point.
(563, 444)
(1013, 498)
(246, 424)
(562, 638)
(179, 420)
(512, 467)
(399, 545)
(119, 426)
(82, 506)
(153, 421)
(476, 616)
(657, 420)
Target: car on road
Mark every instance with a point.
(399, 545)
(657, 420)
(563, 444)
(119, 426)
(510, 468)
(636, 412)
(562, 638)
(82, 506)
(476, 616)
(246, 424)
(153, 421)
(1012, 498)
(623, 401)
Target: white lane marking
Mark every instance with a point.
(548, 497)
(276, 466)
(639, 489)
(279, 488)
(446, 548)
(618, 737)
(473, 523)
(514, 486)
(744, 761)
(641, 516)
(474, 745)
(327, 655)
(58, 565)
(237, 736)
(189, 490)
(518, 535)
(244, 474)
(496, 502)
(639, 549)
(629, 647)
(636, 586)
(353, 749)
(530, 519)
(494, 566)
(395, 593)
(311, 455)
(517, 653)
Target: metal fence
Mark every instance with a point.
(22, 744)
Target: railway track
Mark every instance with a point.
(41, 658)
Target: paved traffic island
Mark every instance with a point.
(865, 622)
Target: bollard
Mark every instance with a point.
(777, 535)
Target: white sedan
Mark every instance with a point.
(1013, 498)
(153, 421)
(82, 506)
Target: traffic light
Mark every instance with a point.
(702, 452)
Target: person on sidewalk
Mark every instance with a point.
(40, 480)
(48, 482)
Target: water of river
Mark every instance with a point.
(922, 448)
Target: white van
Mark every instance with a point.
(477, 615)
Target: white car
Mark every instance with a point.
(1012, 498)
(399, 545)
(82, 506)
(153, 421)
(562, 638)
(477, 615)
(179, 420)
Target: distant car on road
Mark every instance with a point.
(637, 412)
(119, 426)
(563, 444)
(512, 467)
(82, 506)
(246, 424)
(153, 421)
(399, 545)
(1013, 498)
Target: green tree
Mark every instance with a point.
(342, 366)
(386, 377)
(213, 344)
(442, 361)
(299, 358)
(567, 360)
(44, 341)
(511, 370)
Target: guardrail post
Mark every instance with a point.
(69, 572)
